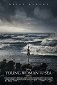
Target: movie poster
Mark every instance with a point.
(28, 42)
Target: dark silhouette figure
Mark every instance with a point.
(28, 53)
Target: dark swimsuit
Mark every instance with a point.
(28, 52)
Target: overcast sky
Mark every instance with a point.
(28, 15)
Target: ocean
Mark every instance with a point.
(43, 48)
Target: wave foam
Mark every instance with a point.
(49, 42)
(4, 45)
(40, 50)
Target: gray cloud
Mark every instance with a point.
(42, 19)
(46, 18)
(38, 23)
(43, 14)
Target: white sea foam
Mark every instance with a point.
(8, 41)
(35, 40)
(15, 37)
(4, 45)
(49, 41)
(25, 40)
(40, 50)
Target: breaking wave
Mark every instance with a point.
(49, 42)
(40, 50)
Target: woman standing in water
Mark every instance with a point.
(28, 53)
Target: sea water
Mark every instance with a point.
(43, 48)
